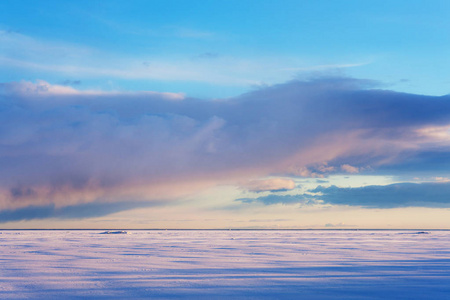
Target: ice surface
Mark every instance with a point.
(114, 232)
(225, 265)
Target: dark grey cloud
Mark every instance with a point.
(278, 199)
(321, 181)
(79, 211)
(388, 196)
(279, 190)
(433, 161)
(375, 196)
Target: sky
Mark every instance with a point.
(224, 114)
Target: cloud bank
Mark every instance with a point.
(60, 146)
(433, 195)
(79, 211)
(388, 196)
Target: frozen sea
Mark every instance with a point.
(235, 264)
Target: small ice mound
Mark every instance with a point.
(114, 232)
(417, 232)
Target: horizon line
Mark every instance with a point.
(234, 229)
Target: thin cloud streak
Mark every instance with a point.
(43, 88)
(28, 54)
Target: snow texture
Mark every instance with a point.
(183, 264)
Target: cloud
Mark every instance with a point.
(28, 56)
(326, 67)
(349, 169)
(272, 184)
(43, 88)
(39, 88)
(441, 179)
(62, 146)
(71, 82)
(79, 211)
(430, 161)
(388, 196)
(278, 199)
(429, 194)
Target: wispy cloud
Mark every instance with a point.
(34, 55)
(271, 184)
(326, 67)
(43, 88)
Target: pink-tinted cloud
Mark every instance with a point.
(271, 184)
(349, 169)
(60, 146)
(43, 88)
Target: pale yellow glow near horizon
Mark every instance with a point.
(217, 208)
(263, 217)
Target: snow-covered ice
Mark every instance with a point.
(225, 265)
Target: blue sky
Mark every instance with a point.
(218, 114)
(224, 48)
